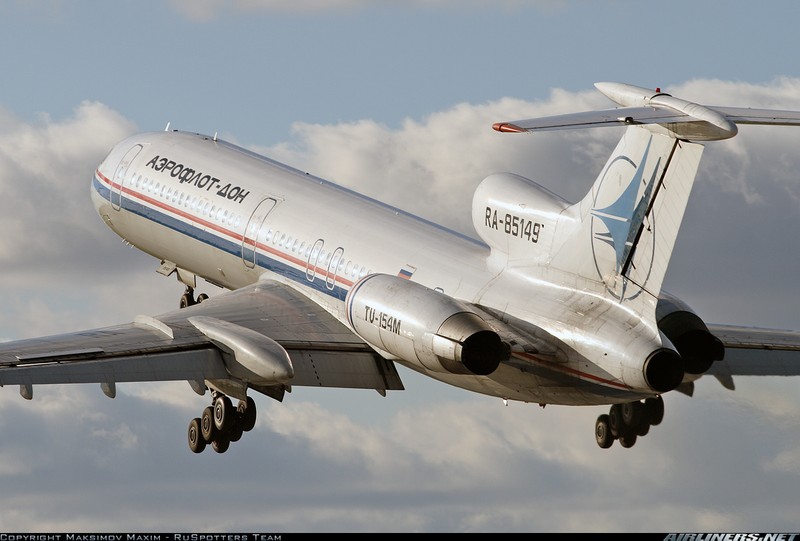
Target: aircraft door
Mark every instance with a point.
(115, 196)
(313, 257)
(333, 268)
(253, 231)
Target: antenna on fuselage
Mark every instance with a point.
(167, 128)
(215, 137)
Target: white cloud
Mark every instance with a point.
(425, 461)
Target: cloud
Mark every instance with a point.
(55, 249)
(432, 166)
(45, 172)
(457, 465)
(430, 458)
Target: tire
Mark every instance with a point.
(248, 414)
(602, 432)
(655, 410)
(207, 427)
(223, 413)
(632, 414)
(236, 429)
(628, 440)
(196, 442)
(615, 420)
(221, 444)
(201, 297)
(186, 300)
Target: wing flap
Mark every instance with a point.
(198, 365)
(354, 370)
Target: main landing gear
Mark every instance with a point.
(626, 422)
(221, 424)
(188, 298)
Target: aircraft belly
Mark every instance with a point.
(535, 386)
(191, 254)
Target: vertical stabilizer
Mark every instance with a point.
(629, 220)
(621, 235)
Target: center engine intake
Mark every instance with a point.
(688, 333)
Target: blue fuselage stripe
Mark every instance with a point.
(218, 242)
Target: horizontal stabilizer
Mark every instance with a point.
(666, 114)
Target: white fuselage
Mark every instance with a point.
(233, 218)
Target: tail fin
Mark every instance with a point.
(621, 235)
(628, 222)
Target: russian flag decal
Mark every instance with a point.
(406, 272)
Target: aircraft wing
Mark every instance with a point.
(757, 352)
(178, 346)
(752, 351)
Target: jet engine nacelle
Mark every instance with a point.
(423, 326)
(688, 333)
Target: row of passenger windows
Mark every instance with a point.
(203, 206)
(200, 206)
(311, 252)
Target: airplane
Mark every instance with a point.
(550, 302)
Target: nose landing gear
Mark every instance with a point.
(221, 424)
(187, 299)
(626, 422)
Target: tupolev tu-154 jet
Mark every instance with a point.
(552, 302)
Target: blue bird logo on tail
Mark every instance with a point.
(622, 220)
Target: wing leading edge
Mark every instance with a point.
(323, 352)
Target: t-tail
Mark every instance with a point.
(617, 241)
(620, 236)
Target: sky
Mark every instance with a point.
(396, 100)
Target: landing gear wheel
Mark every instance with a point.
(615, 420)
(236, 430)
(186, 300)
(247, 409)
(207, 427)
(627, 440)
(201, 297)
(196, 441)
(655, 410)
(602, 432)
(221, 444)
(631, 414)
(223, 413)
